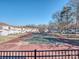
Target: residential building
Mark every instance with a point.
(6, 29)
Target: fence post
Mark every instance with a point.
(78, 53)
(35, 54)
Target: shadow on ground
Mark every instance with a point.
(56, 40)
(72, 42)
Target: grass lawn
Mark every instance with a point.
(72, 36)
(38, 41)
(7, 38)
(42, 40)
(4, 38)
(67, 36)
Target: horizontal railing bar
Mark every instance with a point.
(58, 50)
(36, 50)
(18, 51)
(42, 56)
(57, 55)
(12, 56)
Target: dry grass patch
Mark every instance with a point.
(7, 38)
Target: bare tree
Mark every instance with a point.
(75, 5)
(51, 26)
(42, 28)
(63, 18)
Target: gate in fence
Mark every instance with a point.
(40, 54)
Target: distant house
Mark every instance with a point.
(14, 29)
(6, 29)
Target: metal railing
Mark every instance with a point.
(40, 54)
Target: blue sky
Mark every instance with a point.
(24, 12)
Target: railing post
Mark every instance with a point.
(35, 54)
(78, 53)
